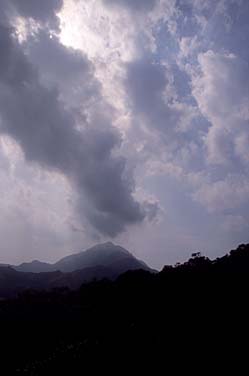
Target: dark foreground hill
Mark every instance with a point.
(187, 315)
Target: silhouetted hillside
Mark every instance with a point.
(185, 313)
(237, 261)
(12, 282)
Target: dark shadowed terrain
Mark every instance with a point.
(197, 309)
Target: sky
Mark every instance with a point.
(123, 120)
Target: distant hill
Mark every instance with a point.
(13, 282)
(108, 261)
(101, 261)
(107, 255)
(34, 267)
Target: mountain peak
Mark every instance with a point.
(108, 255)
(107, 247)
(108, 244)
(34, 266)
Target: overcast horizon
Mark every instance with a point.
(123, 121)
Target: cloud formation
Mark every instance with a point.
(44, 12)
(148, 130)
(137, 5)
(34, 112)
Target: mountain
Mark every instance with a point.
(108, 261)
(34, 267)
(107, 255)
(13, 282)
(101, 261)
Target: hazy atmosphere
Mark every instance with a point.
(123, 121)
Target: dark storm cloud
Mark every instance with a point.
(133, 4)
(104, 180)
(35, 116)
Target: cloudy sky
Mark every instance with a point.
(123, 120)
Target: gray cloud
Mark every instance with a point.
(42, 11)
(35, 116)
(55, 61)
(178, 87)
(133, 4)
(153, 103)
(145, 83)
(73, 76)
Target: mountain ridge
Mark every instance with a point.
(103, 254)
(103, 261)
(13, 282)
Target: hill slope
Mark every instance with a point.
(99, 262)
(107, 255)
(34, 267)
